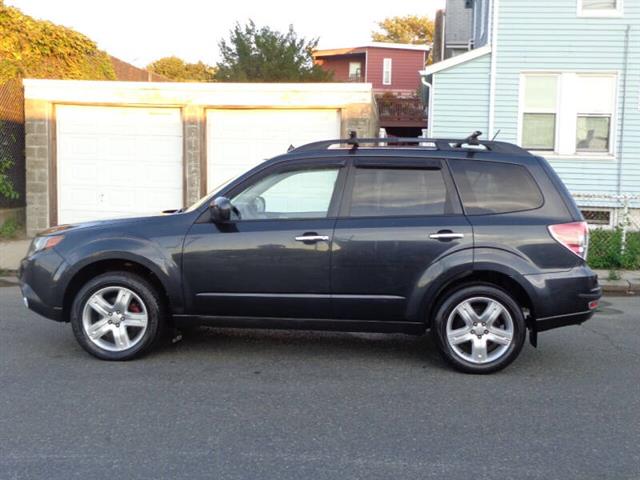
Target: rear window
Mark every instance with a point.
(381, 192)
(492, 187)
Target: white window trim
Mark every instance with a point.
(566, 122)
(555, 111)
(359, 69)
(385, 62)
(602, 13)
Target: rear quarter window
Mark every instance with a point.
(493, 187)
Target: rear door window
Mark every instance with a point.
(492, 187)
(384, 192)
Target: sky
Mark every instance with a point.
(141, 31)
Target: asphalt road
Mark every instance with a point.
(231, 404)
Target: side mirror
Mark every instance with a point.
(220, 210)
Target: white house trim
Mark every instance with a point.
(457, 60)
(494, 15)
(228, 95)
(398, 46)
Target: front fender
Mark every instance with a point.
(162, 261)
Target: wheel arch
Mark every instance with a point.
(116, 264)
(497, 267)
(509, 283)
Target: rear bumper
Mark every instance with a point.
(564, 298)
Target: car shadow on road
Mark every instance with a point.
(408, 349)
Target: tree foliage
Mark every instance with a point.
(178, 70)
(41, 49)
(260, 54)
(408, 29)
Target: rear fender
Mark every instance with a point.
(454, 268)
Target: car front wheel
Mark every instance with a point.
(479, 329)
(116, 316)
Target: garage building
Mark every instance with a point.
(98, 150)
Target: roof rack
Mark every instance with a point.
(470, 144)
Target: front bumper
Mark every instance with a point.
(38, 274)
(564, 298)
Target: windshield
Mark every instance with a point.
(204, 199)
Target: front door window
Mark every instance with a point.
(288, 195)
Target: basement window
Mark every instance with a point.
(597, 217)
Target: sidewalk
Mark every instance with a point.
(11, 252)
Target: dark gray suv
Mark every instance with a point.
(476, 241)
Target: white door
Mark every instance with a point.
(238, 140)
(117, 161)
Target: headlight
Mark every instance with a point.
(44, 243)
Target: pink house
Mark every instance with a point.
(393, 70)
(390, 67)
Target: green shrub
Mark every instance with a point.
(631, 255)
(605, 250)
(41, 49)
(9, 229)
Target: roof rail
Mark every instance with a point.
(471, 143)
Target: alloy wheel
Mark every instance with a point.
(480, 330)
(115, 318)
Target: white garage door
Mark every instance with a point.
(117, 162)
(240, 139)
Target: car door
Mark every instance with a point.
(398, 217)
(273, 259)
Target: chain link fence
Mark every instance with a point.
(12, 139)
(614, 222)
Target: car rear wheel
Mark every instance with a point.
(117, 316)
(479, 329)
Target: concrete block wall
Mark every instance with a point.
(38, 144)
(193, 118)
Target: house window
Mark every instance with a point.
(595, 103)
(599, 8)
(355, 71)
(568, 113)
(386, 71)
(540, 112)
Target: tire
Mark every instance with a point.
(479, 329)
(117, 316)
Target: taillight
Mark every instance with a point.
(574, 236)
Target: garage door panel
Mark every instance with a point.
(117, 161)
(238, 140)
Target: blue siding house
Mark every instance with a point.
(558, 77)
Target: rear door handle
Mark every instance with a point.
(446, 235)
(312, 238)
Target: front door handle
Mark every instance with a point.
(446, 235)
(312, 237)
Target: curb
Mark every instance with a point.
(6, 281)
(620, 287)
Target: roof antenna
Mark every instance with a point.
(496, 135)
(353, 141)
(291, 147)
